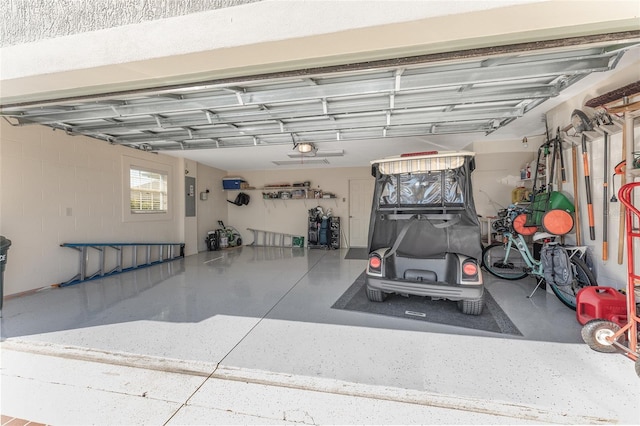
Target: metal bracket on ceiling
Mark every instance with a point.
(398, 77)
(293, 140)
(17, 124)
(237, 92)
(571, 140)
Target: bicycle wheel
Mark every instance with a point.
(582, 277)
(495, 260)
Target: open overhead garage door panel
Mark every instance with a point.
(388, 99)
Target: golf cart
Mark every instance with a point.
(424, 233)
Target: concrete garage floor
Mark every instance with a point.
(247, 335)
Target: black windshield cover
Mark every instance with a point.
(437, 206)
(423, 189)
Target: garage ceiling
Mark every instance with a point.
(394, 99)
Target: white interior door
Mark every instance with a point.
(360, 197)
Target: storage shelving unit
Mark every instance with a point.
(324, 234)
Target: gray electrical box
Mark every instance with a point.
(189, 196)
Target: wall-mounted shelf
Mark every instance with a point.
(294, 193)
(286, 192)
(543, 177)
(268, 188)
(296, 199)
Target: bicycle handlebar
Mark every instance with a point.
(505, 223)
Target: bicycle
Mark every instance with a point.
(512, 259)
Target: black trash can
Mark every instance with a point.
(4, 247)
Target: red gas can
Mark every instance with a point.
(605, 303)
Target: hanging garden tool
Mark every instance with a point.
(558, 147)
(587, 183)
(539, 196)
(581, 124)
(574, 169)
(546, 198)
(613, 199)
(617, 170)
(605, 200)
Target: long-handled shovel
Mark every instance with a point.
(563, 173)
(582, 124)
(574, 168)
(587, 183)
(605, 200)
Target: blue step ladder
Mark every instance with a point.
(154, 253)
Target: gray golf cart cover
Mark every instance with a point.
(423, 206)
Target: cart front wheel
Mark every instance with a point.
(596, 334)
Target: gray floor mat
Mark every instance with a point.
(493, 318)
(359, 253)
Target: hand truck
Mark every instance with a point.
(607, 336)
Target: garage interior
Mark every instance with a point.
(264, 333)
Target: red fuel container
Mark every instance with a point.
(605, 303)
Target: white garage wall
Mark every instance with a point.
(214, 208)
(57, 188)
(495, 176)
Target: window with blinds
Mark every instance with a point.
(148, 191)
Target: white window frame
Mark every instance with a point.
(150, 196)
(129, 163)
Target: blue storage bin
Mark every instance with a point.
(231, 183)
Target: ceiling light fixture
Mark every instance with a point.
(305, 147)
(525, 142)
